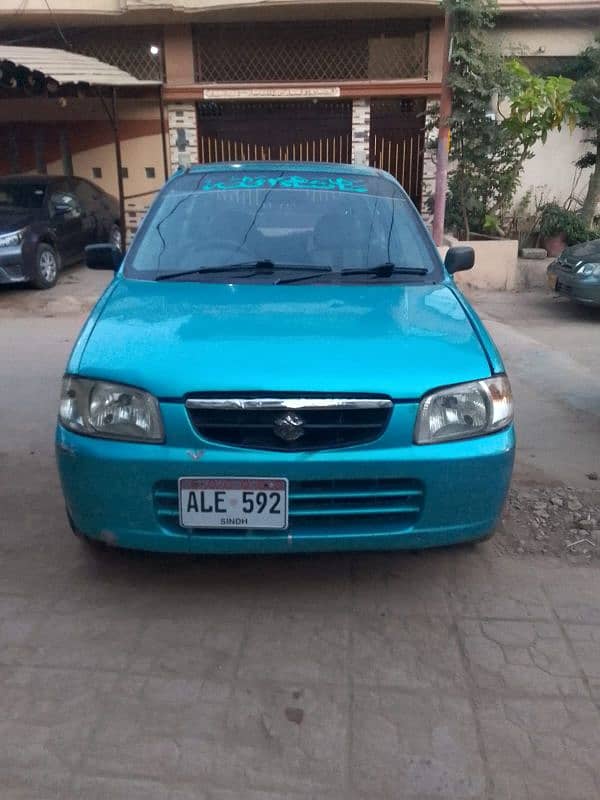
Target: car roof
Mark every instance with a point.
(297, 166)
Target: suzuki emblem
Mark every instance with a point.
(289, 427)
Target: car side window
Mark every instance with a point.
(88, 195)
(63, 203)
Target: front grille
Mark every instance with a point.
(334, 503)
(290, 424)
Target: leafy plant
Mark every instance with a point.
(587, 92)
(488, 146)
(556, 221)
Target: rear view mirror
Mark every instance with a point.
(459, 259)
(103, 256)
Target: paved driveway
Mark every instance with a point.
(449, 674)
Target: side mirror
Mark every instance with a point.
(103, 256)
(459, 259)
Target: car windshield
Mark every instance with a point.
(328, 223)
(21, 195)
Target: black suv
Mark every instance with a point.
(46, 221)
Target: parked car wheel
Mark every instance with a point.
(46, 267)
(115, 237)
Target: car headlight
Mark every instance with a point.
(12, 239)
(590, 269)
(109, 411)
(465, 410)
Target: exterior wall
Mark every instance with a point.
(496, 266)
(77, 8)
(120, 7)
(91, 139)
(544, 39)
(179, 54)
(361, 131)
(436, 50)
(527, 7)
(551, 173)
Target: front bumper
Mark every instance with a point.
(125, 494)
(11, 265)
(580, 288)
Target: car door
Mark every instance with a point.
(66, 221)
(92, 221)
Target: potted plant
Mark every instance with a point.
(554, 225)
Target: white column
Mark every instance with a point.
(361, 131)
(183, 134)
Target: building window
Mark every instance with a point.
(150, 172)
(124, 172)
(96, 172)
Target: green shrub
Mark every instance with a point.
(556, 220)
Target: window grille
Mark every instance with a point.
(327, 51)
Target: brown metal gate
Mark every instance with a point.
(315, 131)
(278, 131)
(398, 140)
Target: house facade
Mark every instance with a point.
(545, 34)
(350, 82)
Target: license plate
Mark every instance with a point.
(234, 503)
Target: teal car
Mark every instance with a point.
(283, 364)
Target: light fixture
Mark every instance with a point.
(154, 49)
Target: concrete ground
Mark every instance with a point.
(449, 674)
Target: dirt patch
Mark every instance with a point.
(557, 521)
(75, 293)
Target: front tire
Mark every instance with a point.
(45, 270)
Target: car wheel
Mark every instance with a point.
(45, 271)
(115, 238)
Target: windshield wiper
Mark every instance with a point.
(261, 267)
(386, 270)
(266, 265)
(381, 271)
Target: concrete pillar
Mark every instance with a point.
(361, 131)
(183, 134)
(429, 161)
(179, 55)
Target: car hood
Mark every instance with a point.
(586, 251)
(180, 337)
(15, 220)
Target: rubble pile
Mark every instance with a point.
(558, 521)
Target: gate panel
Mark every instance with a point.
(398, 141)
(279, 131)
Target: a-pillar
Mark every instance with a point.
(361, 131)
(183, 134)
